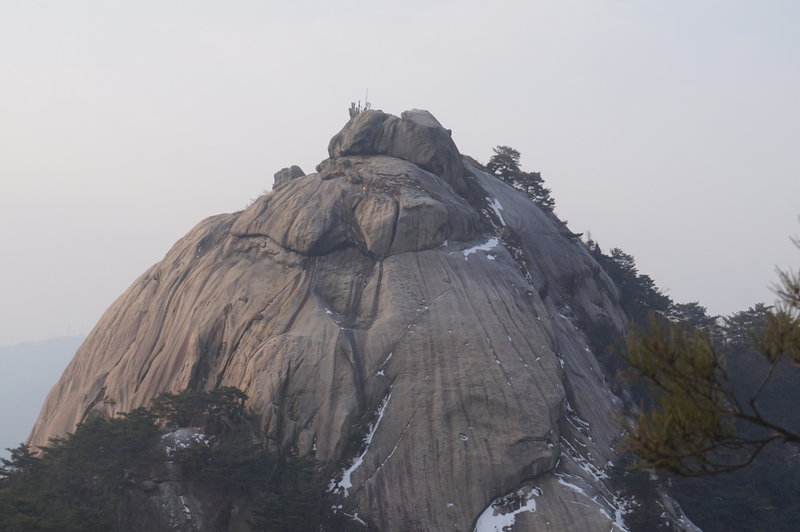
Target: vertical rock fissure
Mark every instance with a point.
(280, 400)
(98, 398)
(358, 367)
(209, 349)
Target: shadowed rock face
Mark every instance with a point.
(420, 344)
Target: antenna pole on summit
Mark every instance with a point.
(355, 109)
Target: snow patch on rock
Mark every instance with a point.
(343, 486)
(180, 439)
(486, 246)
(499, 517)
(497, 207)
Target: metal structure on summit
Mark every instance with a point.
(356, 108)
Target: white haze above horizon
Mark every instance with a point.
(668, 129)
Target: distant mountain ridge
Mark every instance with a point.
(29, 370)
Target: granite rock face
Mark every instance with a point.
(416, 136)
(405, 317)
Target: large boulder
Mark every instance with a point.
(415, 136)
(381, 205)
(284, 175)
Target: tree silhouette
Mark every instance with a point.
(701, 423)
(505, 165)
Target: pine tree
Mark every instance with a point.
(701, 423)
(505, 165)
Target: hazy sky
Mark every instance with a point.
(669, 129)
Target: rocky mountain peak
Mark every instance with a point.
(412, 322)
(416, 136)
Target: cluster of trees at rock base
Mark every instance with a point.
(86, 480)
(59, 490)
